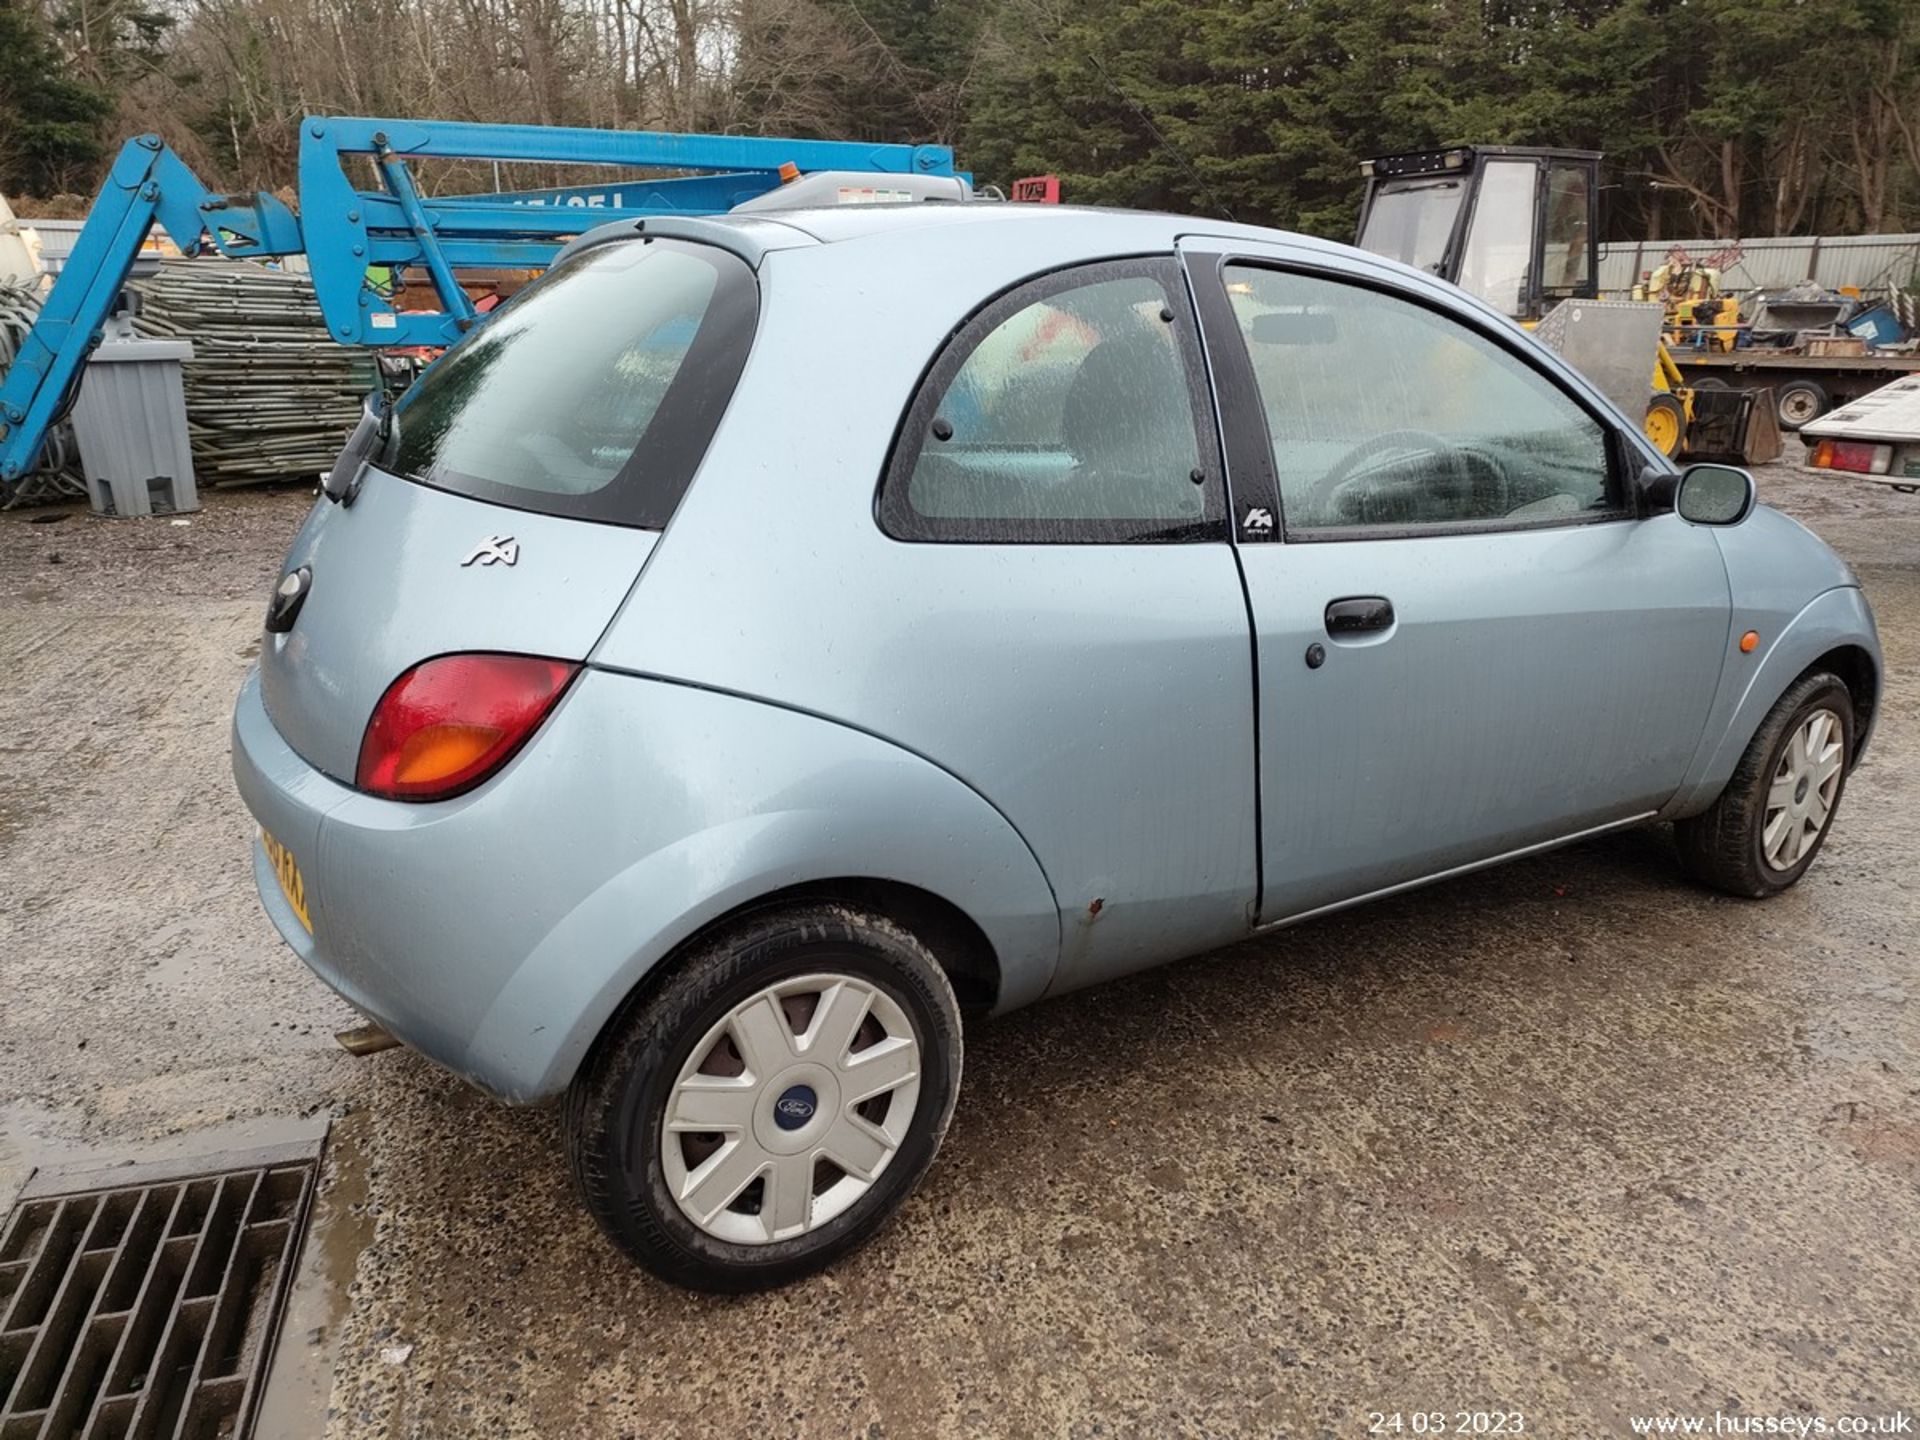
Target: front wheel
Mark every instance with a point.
(1666, 422)
(772, 1104)
(1762, 833)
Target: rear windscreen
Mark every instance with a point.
(595, 392)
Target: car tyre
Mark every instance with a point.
(627, 1114)
(1781, 780)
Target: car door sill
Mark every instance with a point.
(1525, 850)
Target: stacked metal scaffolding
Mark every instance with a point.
(270, 395)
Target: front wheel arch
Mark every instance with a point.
(1856, 668)
(1834, 630)
(1730, 845)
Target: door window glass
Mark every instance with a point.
(1382, 413)
(1567, 255)
(1063, 411)
(1500, 238)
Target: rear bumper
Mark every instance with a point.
(423, 996)
(437, 920)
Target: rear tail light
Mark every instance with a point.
(1851, 455)
(449, 723)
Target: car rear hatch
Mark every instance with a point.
(527, 478)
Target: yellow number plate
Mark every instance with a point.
(288, 873)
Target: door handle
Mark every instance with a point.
(1359, 615)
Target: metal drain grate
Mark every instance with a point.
(148, 1308)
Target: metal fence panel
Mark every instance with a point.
(1872, 262)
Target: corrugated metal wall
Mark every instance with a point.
(1873, 262)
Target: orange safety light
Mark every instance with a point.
(1749, 641)
(789, 172)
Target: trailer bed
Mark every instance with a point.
(1768, 362)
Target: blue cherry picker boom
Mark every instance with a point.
(343, 231)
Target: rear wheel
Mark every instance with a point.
(1762, 833)
(1799, 402)
(769, 1107)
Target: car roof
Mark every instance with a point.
(754, 235)
(833, 224)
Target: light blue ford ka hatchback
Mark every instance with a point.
(770, 639)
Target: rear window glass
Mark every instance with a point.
(595, 392)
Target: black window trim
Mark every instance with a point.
(1249, 442)
(694, 404)
(894, 512)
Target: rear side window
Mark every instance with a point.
(595, 392)
(1070, 409)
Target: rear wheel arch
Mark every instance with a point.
(955, 938)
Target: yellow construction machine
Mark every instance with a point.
(1699, 312)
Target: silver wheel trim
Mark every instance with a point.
(739, 1110)
(1805, 784)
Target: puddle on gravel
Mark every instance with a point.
(301, 1381)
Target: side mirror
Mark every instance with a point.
(1715, 495)
(1656, 486)
(368, 440)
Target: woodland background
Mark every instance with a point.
(1718, 117)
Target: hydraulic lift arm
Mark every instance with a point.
(147, 183)
(344, 230)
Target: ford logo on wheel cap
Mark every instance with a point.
(795, 1107)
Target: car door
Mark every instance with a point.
(1065, 431)
(1468, 641)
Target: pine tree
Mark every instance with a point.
(51, 128)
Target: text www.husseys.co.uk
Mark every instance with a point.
(1900, 1422)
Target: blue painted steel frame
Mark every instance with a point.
(343, 230)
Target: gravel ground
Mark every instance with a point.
(1570, 1138)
